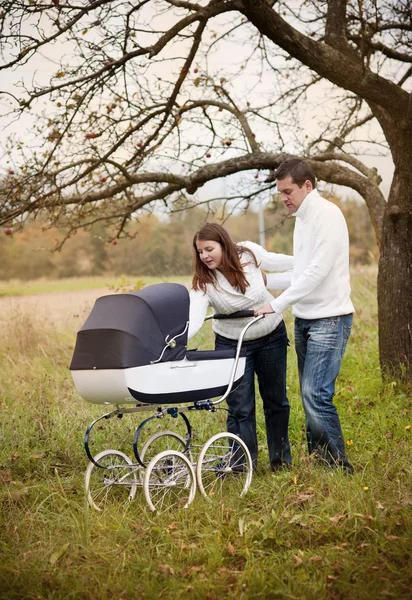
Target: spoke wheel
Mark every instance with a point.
(113, 483)
(160, 441)
(169, 482)
(224, 467)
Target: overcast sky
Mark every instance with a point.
(42, 66)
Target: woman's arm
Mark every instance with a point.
(279, 281)
(199, 303)
(269, 261)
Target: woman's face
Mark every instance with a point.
(210, 253)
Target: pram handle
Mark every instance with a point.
(240, 314)
(238, 349)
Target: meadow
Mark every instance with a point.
(304, 534)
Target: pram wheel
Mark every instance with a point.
(224, 465)
(169, 481)
(112, 483)
(163, 440)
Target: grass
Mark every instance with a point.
(16, 287)
(305, 534)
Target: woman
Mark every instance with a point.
(227, 276)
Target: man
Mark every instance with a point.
(320, 295)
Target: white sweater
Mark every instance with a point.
(320, 282)
(225, 299)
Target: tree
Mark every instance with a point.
(143, 112)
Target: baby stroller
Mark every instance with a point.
(131, 352)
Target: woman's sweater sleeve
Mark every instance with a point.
(270, 261)
(199, 303)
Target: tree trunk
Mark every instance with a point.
(395, 276)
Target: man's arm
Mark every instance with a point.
(270, 261)
(328, 232)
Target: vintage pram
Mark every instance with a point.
(132, 353)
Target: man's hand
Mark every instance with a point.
(264, 309)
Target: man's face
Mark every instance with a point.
(291, 194)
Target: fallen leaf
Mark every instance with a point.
(231, 549)
(13, 457)
(297, 560)
(59, 553)
(336, 519)
(392, 538)
(192, 569)
(5, 476)
(316, 559)
(166, 569)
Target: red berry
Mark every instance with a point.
(7, 231)
(103, 179)
(11, 172)
(114, 242)
(90, 136)
(195, 70)
(69, 135)
(139, 144)
(208, 155)
(256, 176)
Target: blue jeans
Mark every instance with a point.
(320, 346)
(266, 356)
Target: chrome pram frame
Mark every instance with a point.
(170, 478)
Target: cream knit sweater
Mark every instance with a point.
(225, 299)
(320, 282)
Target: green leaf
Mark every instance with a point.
(59, 553)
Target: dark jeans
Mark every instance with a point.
(266, 357)
(320, 346)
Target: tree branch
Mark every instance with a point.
(338, 67)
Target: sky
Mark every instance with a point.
(47, 63)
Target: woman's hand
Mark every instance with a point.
(264, 309)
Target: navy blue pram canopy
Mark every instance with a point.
(132, 330)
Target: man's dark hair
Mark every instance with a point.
(298, 170)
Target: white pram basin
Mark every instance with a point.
(163, 383)
(132, 350)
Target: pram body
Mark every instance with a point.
(132, 353)
(132, 350)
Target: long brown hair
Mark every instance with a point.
(231, 253)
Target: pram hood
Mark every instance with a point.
(132, 330)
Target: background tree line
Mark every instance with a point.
(159, 247)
